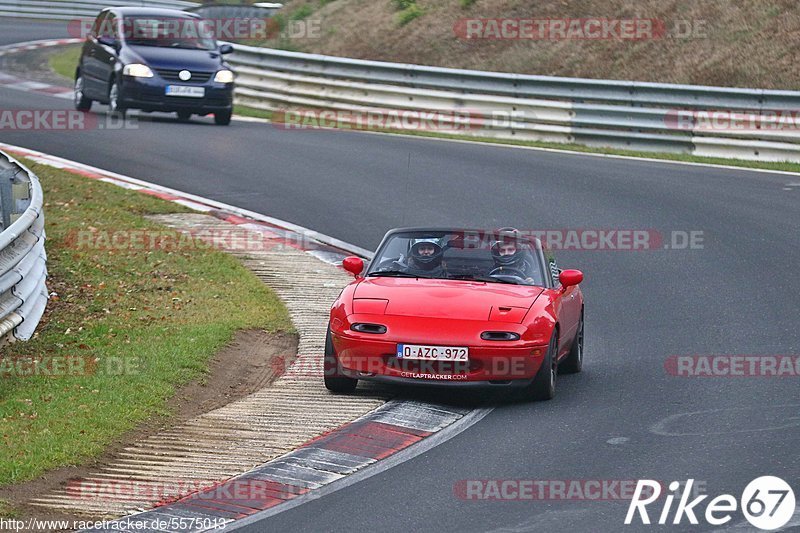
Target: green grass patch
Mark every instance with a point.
(409, 14)
(400, 5)
(301, 13)
(65, 61)
(245, 111)
(408, 10)
(160, 314)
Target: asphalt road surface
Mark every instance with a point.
(624, 417)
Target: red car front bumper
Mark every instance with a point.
(374, 356)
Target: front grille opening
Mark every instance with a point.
(198, 77)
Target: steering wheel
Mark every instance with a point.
(508, 271)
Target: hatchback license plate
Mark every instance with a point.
(186, 90)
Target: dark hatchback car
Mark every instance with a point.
(154, 60)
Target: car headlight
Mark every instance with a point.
(224, 76)
(137, 70)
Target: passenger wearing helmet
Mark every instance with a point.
(512, 257)
(425, 260)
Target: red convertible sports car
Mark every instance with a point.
(457, 307)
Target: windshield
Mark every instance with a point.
(458, 255)
(184, 33)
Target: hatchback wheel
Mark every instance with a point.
(81, 102)
(223, 118)
(115, 100)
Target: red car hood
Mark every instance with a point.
(436, 298)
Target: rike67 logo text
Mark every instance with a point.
(767, 503)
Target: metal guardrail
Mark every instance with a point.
(69, 10)
(23, 261)
(618, 114)
(603, 113)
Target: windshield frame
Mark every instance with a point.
(127, 24)
(534, 244)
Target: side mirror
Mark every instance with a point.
(225, 49)
(568, 278)
(354, 265)
(107, 41)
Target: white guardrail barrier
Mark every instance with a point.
(754, 124)
(23, 261)
(69, 10)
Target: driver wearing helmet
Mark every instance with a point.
(425, 260)
(511, 257)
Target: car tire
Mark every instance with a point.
(223, 118)
(573, 362)
(543, 386)
(335, 380)
(114, 98)
(79, 99)
(184, 116)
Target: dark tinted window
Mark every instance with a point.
(169, 32)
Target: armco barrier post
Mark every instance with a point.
(6, 197)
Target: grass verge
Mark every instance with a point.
(140, 322)
(65, 61)
(245, 111)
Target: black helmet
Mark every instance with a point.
(426, 262)
(508, 236)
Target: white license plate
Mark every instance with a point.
(432, 353)
(186, 90)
